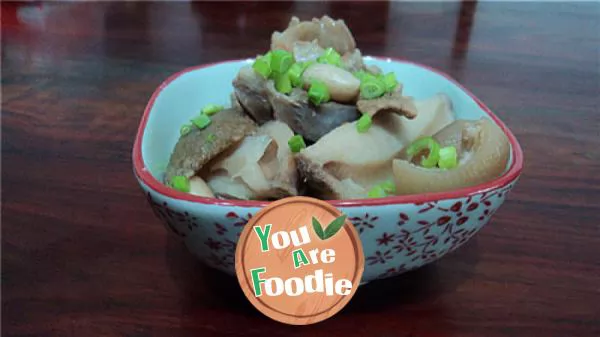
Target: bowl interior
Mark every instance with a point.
(185, 94)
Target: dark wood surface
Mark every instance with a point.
(83, 255)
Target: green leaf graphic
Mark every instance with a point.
(318, 229)
(335, 226)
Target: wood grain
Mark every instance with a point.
(83, 255)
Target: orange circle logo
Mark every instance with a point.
(299, 260)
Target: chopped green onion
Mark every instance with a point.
(281, 61)
(390, 81)
(296, 143)
(448, 158)
(318, 92)
(262, 65)
(364, 123)
(180, 183)
(296, 70)
(295, 74)
(364, 76)
(422, 144)
(283, 84)
(330, 56)
(268, 56)
(370, 88)
(211, 138)
(185, 129)
(388, 186)
(212, 109)
(377, 192)
(201, 121)
(359, 74)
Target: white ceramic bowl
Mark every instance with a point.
(398, 233)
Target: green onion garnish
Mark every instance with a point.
(180, 183)
(262, 65)
(422, 144)
(364, 76)
(201, 121)
(364, 123)
(388, 186)
(281, 61)
(360, 74)
(330, 56)
(318, 93)
(377, 192)
(448, 158)
(283, 84)
(296, 143)
(371, 88)
(212, 109)
(390, 81)
(185, 129)
(211, 138)
(268, 56)
(295, 73)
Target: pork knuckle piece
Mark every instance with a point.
(485, 152)
(312, 122)
(251, 92)
(198, 147)
(388, 104)
(326, 31)
(353, 61)
(305, 51)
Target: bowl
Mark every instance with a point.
(398, 233)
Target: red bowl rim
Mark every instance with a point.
(510, 175)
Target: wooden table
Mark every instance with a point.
(83, 255)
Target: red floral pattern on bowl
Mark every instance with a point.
(400, 238)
